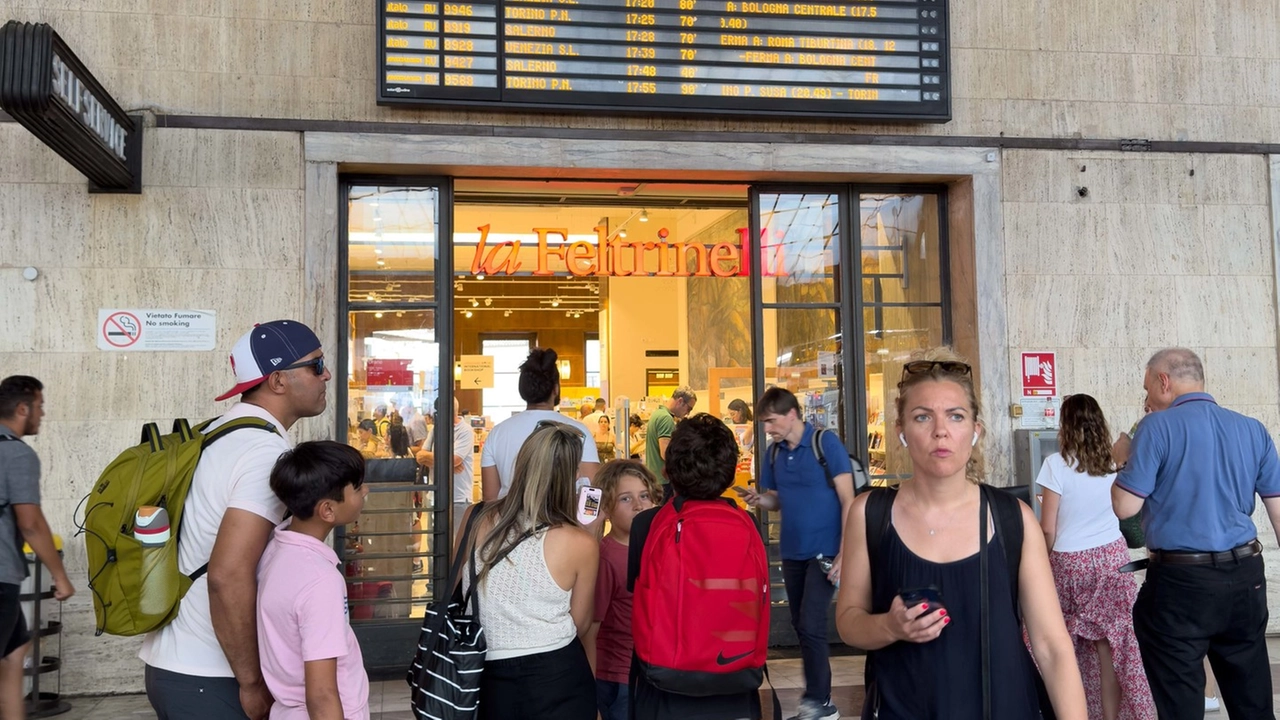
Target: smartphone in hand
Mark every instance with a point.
(589, 499)
(928, 594)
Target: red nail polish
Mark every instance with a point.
(946, 621)
(924, 606)
(942, 613)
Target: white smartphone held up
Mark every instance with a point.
(589, 504)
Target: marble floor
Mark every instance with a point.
(389, 700)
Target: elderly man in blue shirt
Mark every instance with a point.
(1193, 472)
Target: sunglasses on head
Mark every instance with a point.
(317, 365)
(924, 367)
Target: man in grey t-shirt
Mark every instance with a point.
(21, 408)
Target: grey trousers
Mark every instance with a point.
(175, 696)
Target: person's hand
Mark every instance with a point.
(1120, 450)
(749, 496)
(834, 575)
(63, 589)
(256, 700)
(424, 458)
(911, 624)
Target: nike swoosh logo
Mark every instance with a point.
(722, 660)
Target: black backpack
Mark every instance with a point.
(861, 482)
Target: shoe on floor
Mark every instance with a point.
(810, 710)
(1212, 704)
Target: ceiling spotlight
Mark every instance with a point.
(475, 303)
(622, 233)
(378, 315)
(506, 313)
(568, 313)
(377, 251)
(467, 314)
(369, 296)
(488, 302)
(400, 313)
(373, 202)
(381, 262)
(644, 216)
(555, 302)
(479, 277)
(457, 286)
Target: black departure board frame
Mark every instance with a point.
(864, 60)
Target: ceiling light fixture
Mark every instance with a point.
(378, 315)
(555, 302)
(475, 302)
(488, 302)
(369, 296)
(467, 314)
(457, 286)
(644, 216)
(381, 262)
(377, 251)
(506, 313)
(479, 277)
(622, 233)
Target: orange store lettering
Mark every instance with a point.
(621, 258)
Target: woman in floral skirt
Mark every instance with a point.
(1087, 549)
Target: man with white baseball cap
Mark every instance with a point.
(204, 665)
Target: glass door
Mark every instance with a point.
(798, 285)
(393, 404)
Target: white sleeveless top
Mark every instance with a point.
(522, 609)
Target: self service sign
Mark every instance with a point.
(45, 87)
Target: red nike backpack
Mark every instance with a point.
(700, 613)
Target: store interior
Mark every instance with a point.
(640, 288)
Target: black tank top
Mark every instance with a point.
(942, 679)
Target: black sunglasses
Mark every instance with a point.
(559, 426)
(924, 367)
(317, 365)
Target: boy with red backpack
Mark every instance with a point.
(698, 571)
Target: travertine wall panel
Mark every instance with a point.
(1153, 256)
(1159, 69)
(218, 227)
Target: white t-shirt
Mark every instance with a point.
(504, 442)
(464, 445)
(1085, 517)
(234, 472)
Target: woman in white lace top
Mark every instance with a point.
(536, 574)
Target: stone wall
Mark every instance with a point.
(219, 227)
(1163, 69)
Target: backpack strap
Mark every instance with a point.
(879, 513)
(221, 432)
(1006, 510)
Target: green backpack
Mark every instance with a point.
(137, 586)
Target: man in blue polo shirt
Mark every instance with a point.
(815, 504)
(1194, 469)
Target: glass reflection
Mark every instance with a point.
(800, 246)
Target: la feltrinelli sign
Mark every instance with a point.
(620, 257)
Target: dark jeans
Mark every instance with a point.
(809, 595)
(175, 696)
(555, 685)
(613, 700)
(1186, 611)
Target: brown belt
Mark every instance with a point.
(1173, 557)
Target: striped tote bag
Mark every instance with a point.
(445, 675)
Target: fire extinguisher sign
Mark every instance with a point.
(1039, 374)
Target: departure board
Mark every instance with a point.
(870, 60)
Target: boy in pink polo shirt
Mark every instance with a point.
(310, 658)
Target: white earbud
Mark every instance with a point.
(975, 440)
(902, 439)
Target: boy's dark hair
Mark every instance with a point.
(17, 390)
(315, 471)
(539, 375)
(702, 458)
(398, 436)
(777, 401)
